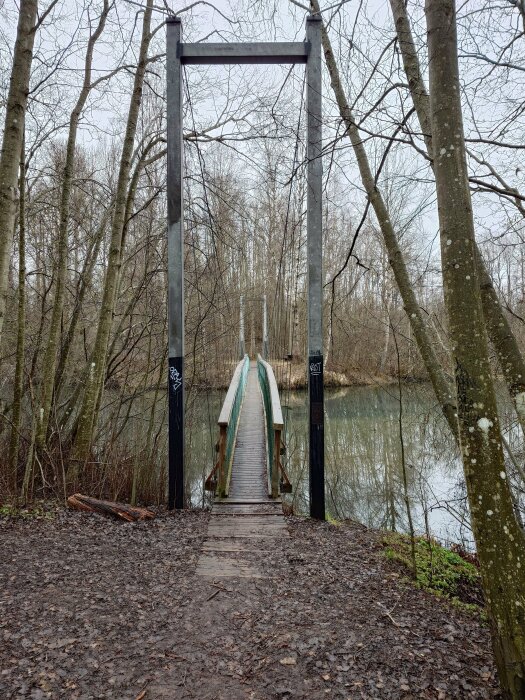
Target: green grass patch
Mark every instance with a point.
(332, 521)
(439, 570)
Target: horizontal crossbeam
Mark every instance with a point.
(261, 52)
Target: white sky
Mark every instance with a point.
(252, 88)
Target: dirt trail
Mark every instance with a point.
(91, 608)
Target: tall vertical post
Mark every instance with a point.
(175, 268)
(265, 349)
(315, 267)
(242, 346)
(252, 332)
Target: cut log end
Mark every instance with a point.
(118, 510)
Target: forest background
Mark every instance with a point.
(84, 335)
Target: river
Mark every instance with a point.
(364, 472)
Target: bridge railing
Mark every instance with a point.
(274, 424)
(219, 479)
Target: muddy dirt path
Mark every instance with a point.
(91, 608)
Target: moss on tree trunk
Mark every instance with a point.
(499, 539)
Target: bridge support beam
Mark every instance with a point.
(175, 268)
(265, 344)
(315, 267)
(242, 342)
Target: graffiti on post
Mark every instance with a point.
(175, 379)
(316, 367)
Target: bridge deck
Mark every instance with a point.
(248, 519)
(248, 479)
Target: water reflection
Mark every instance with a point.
(202, 412)
(363, 457)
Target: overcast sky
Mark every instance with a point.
(248, 90)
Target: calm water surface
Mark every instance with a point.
(364, 471)
(364, 475)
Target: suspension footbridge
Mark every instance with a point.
(248, 477)
(250, 422)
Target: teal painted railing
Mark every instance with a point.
(274, 425)
(219, 479)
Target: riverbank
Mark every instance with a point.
(92, 608)
(292, 376)
(289, 375)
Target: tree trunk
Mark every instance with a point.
(499, 540)
(82, 287)
(507, 349)
(118, 510)
(82, 441)
(18, 389)
(50, 356)
(442, 387)
(13, 138)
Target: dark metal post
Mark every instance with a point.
(315, 267)
(175, 268)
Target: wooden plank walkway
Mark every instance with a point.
(248, 519)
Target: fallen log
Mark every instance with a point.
(117, 510)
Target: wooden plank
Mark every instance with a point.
(248, 520)
(231, 53)
(246, 501)
(262, 506)
(246, 510)
(214, 566)
(245, 524)
(232, 544)
(262, 530)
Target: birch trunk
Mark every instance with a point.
(50, 356)
(13, 138)
(507, 349)
(94, 385)
(500, 541)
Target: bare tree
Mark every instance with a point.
(13, 137)
(499, 539)
(439, 381)
(50, 356)
(16, 424)
(500, 332)
(94, 384)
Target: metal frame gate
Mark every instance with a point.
(178, 54)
